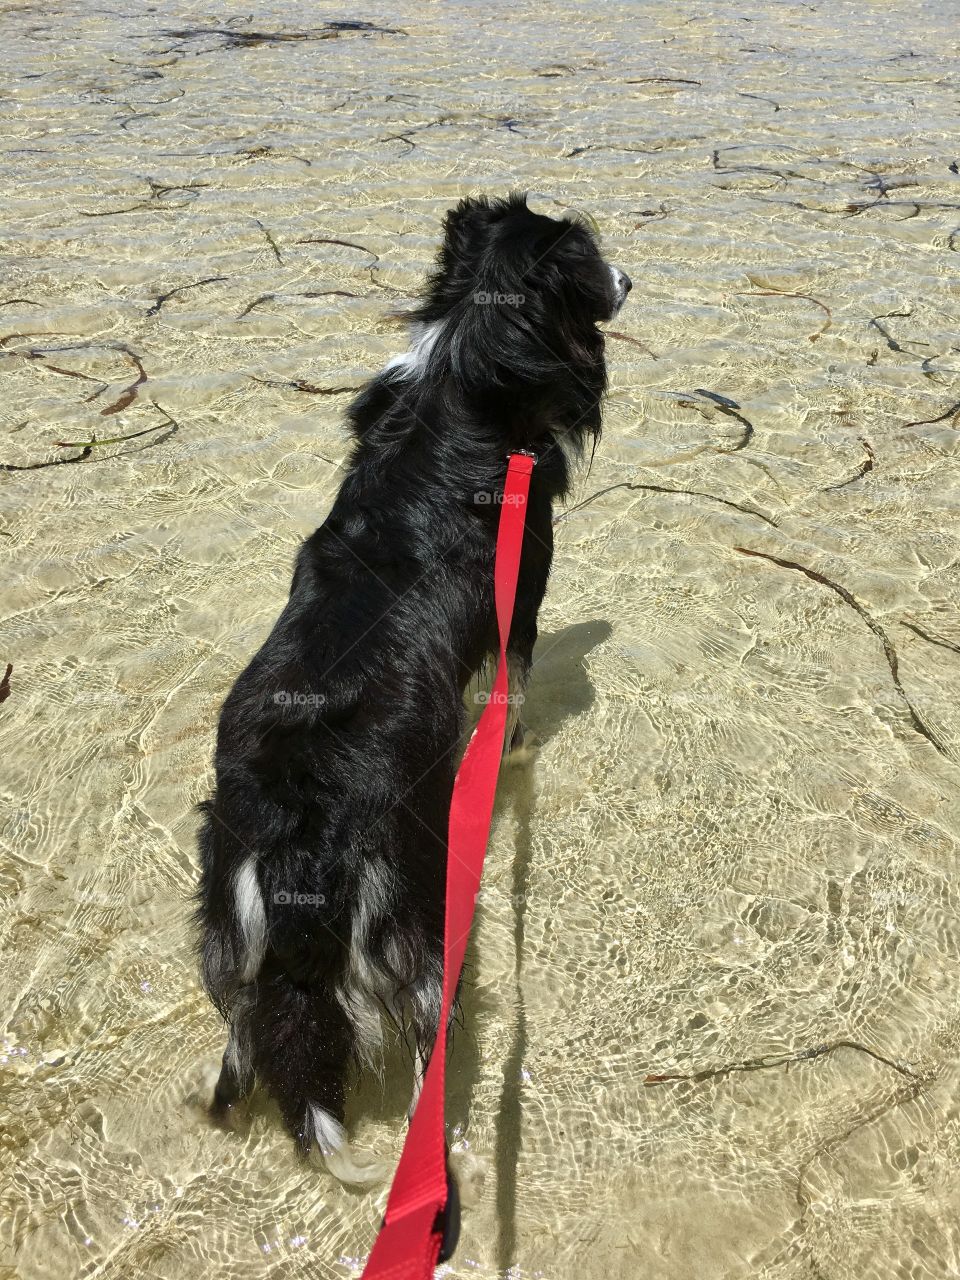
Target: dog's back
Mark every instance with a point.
(323, 848)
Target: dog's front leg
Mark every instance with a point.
(531, 588)
(518, 674)
(523, 630)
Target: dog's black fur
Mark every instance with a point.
(337, 746)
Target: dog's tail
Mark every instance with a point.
(280, 991)
(299, 1041)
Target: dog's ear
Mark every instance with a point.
(469, 232)
(498, 338)
(523, 320)
(465, 231)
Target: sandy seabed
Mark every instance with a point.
(734, 856)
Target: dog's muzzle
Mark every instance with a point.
(622, 284)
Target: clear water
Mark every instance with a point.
(737, 841)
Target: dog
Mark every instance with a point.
(323, 847)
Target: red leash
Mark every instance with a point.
(422, 1210)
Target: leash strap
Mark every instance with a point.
(421, 1224)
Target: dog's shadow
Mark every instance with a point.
(559, 690)
(559, 686)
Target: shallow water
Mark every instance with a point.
(737, 843)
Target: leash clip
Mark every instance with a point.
(527, 453)
(446, 1225)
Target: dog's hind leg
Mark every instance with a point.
(424, 1002)
(420, 1061)
(234, 1084)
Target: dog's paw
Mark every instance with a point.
(231, 1117)
(345, 1162)
(521, 748)
(470, 1171)
(204, 1101)
(355, 1167)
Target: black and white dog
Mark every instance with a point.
(323, 849)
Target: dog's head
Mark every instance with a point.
(512, 310)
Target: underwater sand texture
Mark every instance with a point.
(713, 1026)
